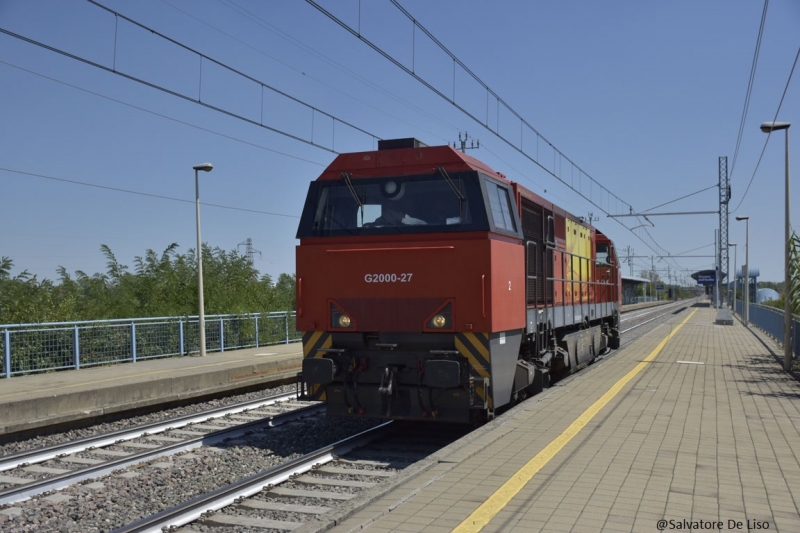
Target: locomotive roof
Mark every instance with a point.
(405, 162)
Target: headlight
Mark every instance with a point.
(339, 319)
(441, 319)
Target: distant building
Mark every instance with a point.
(766, 294)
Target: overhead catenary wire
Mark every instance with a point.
(681, 198)
(234, 71)
(766, 142)
(265, 24)
(749, 91)
(161, 115)
(694, 249)
(257, 20)
(141, 193)
(198, 100)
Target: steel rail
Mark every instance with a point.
(648, 321)
(61, 481)
(40, 455)
(650, 310)
(193, 509)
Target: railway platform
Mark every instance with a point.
(35, 401)
(692, 427)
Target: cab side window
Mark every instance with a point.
(500, 205)
(602, 254)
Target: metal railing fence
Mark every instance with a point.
(770, 319)
(29, 348)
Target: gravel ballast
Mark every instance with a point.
(113, 501)
(98, 429)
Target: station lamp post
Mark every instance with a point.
(201, 325)
(735, 277)
(769, 127)
(746, 296)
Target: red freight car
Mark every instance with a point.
(431, 287)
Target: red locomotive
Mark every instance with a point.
(431, 287)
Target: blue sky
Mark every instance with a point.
(643, 96)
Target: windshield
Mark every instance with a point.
(409, 204)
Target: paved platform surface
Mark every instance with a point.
(37, 400)
(694, 424)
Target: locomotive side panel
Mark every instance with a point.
(572, 286)
(507, 302)
(507, 307)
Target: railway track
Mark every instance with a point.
(631, 321)
(640, 317)
(289, 495)
(62, 465)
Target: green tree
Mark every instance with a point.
(162, 284)
(794, 279)
(24, 298)
(285, 292)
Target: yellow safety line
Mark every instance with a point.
(136, 376)
(497, 501)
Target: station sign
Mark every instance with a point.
(659, 287)
(707, 279)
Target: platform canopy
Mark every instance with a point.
(634, 279)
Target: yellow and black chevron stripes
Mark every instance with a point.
(313, 342)
(475, 347)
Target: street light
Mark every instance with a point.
(735, 277)
(769, 127)
(746, 297)
(205, 167)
